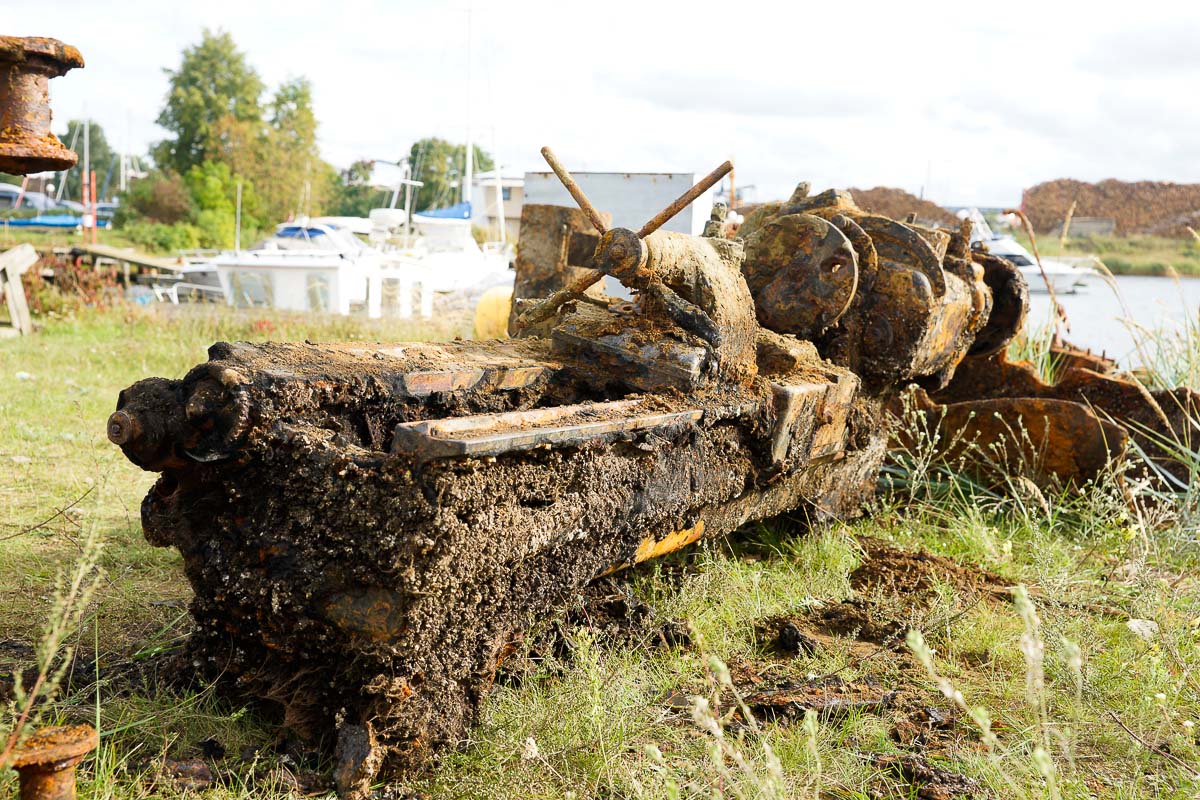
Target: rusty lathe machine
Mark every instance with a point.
(369, 529)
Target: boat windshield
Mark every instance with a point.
(311, 237)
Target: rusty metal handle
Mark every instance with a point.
(545, 309)
(571, 186)
(684, 200)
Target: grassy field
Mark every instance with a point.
(1091, 687)
(1129, 255)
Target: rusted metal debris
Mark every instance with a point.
(26, 66)
(1065, 432)
(46, 761)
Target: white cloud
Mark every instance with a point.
(973, 103)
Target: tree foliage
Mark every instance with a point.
(224, 131)
(292, 175)
(441, 166)
(352, 194)
(213, 82)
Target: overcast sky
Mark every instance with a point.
(969, 101)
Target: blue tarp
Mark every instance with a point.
(456, 211)
(51, 221)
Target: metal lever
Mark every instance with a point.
(545, 309)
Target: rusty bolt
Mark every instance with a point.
(122, 427)
(46, 761)
(26, 67)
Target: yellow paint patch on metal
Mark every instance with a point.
(652, 548)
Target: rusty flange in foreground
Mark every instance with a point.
(46, 761)
(26, 67)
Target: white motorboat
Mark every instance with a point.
(1064, 277)
(304, 266)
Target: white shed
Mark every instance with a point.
(631, 197)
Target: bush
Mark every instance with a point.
(215, 228)
(157, 237)
(159, 197)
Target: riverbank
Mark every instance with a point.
(1129, 255)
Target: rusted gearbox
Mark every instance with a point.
(369, 529)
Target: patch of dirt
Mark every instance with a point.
(859, 619)
(910, 575)
(930, 782)
(829, 697)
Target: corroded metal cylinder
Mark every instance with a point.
(26, 66)
(46, 761)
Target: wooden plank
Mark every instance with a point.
(130, 256)
(13, 264)
(557, 426)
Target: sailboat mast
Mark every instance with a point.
(466, 187)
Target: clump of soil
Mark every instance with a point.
(858, 619)
(910, 575)
(929, 781)
(829, 697)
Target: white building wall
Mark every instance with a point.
(485, 214)
(631, 197)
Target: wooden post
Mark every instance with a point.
(13, 264)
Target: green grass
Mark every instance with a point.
(597, 725)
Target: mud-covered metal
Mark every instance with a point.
(620, 252)
(368, 528)
(26, 66)
(46, 761)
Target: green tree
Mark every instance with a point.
(441, 165)
(352, 194)
(291, 176)
(213, 82)
(213, 189)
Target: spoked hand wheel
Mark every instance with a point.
(620, 250)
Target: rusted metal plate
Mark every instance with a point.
(1153, 418)
(1051, 442)
(803, 273)
(558, 426)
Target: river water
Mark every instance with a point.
(1099, 315)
